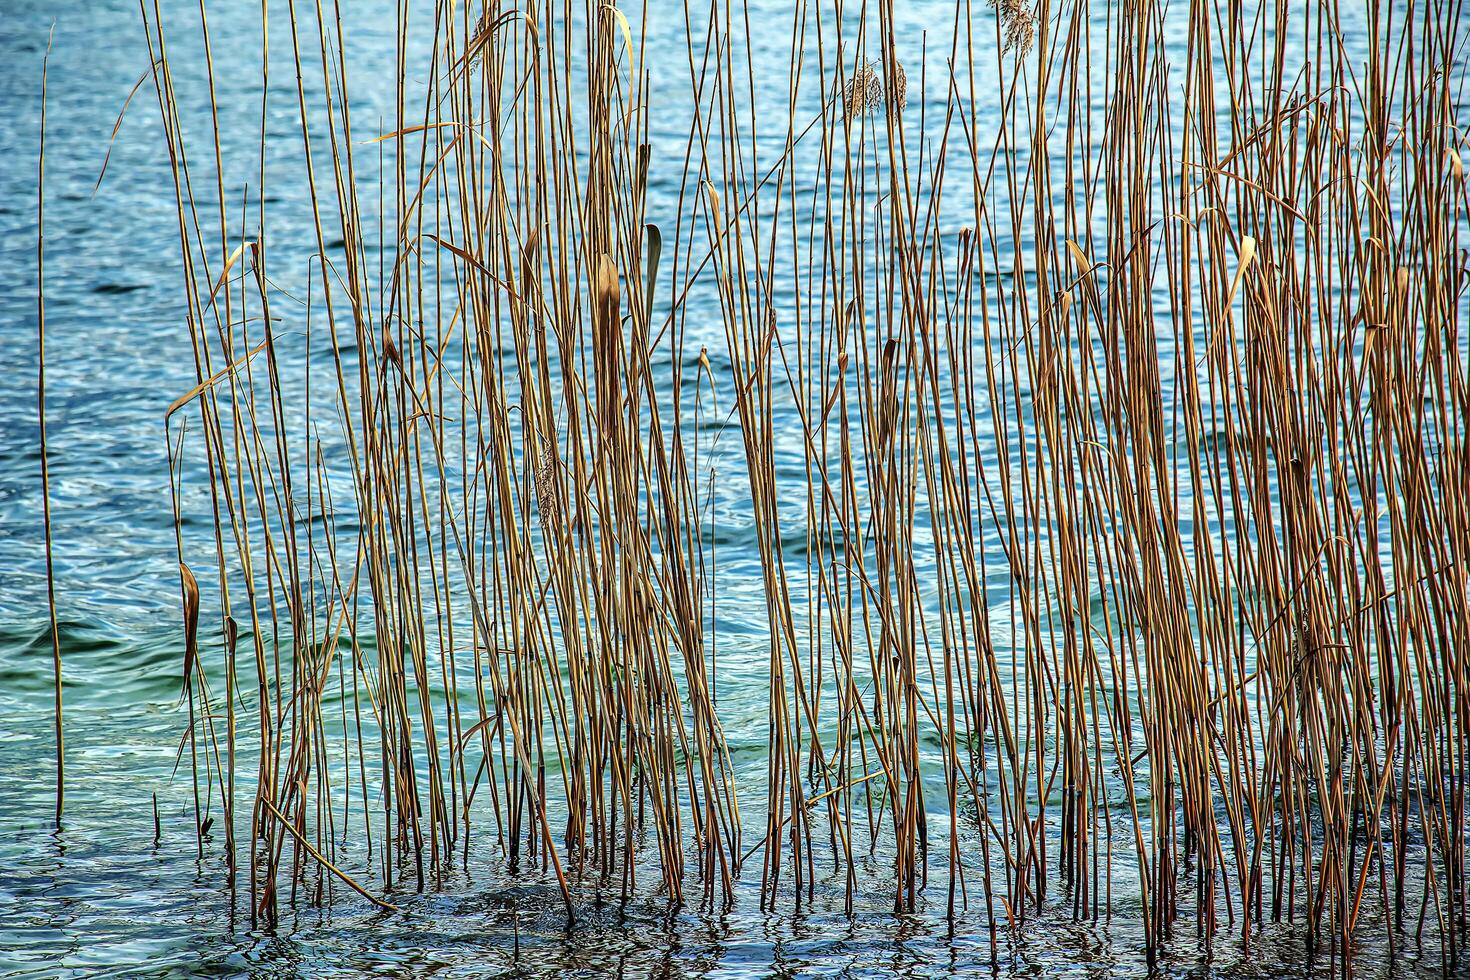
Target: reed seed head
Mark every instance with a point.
(1018, 22)
(866, 91)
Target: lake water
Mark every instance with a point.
(110, 895)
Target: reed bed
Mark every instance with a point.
(1097, 379)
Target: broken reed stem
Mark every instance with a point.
(316, 856)
(1066, 579)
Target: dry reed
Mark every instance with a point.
(44, 447)
(1130, 552)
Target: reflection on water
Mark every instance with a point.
(100, 898)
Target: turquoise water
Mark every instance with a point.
(120, 889)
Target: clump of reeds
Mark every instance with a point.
(1132, 510)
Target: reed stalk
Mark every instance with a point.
(41, 426)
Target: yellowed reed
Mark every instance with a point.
(1129, 391)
